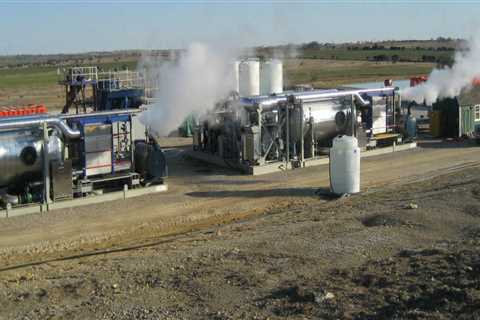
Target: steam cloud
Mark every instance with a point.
(190, 83)
(450, 81)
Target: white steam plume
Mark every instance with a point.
(450, 81)
(193, 83)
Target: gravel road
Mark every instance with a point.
(219, 245)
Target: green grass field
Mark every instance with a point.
(40, 84)
(297, 71)
(330, 73)
(41, 77)
(38, 77)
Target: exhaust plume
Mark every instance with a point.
(450, 81)
(190, 84)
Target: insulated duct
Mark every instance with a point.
(356, 93)
(29, 121)
(317, 96)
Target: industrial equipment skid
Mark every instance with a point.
(57, 161)
(262, 134)
(255, 170)
(112, 196)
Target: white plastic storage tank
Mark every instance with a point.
(271, 75)
(345, 165)
(249, 75)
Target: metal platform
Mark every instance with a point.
(282, 166)
(88, 88)
(111, 196)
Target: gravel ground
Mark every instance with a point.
(407, 250)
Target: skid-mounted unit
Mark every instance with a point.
(294, 127)
(45, 158)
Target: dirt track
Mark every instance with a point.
(290, 241)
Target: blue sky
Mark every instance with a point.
(79, 26)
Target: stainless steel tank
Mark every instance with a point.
(21, 154)
(329, 118)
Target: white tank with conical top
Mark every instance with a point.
(345, 165)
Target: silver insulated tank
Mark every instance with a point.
(329, 118)
(21, 154)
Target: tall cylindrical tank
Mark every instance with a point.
(411, 126)
(236, 76)
(271, 75)
(345, 165)
(249, 75)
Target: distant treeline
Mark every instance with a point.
(441, 60)
(439, 51)
(315, 45)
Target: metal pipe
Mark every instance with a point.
(29, 121)
(309, 96)
(359, 99)
(356, 93)
(99, 114)
(302, 139)
(66, 130)
(353, 117)
(312, 137)
(394, 110)
(57, 121)
(287, 122)
(10, 198)
(272, 101)
(350, 92)
(46, 164)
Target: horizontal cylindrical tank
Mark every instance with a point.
(249, 76)
(21, 154)
(328, 119)
(271, 75)
(345, 165)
